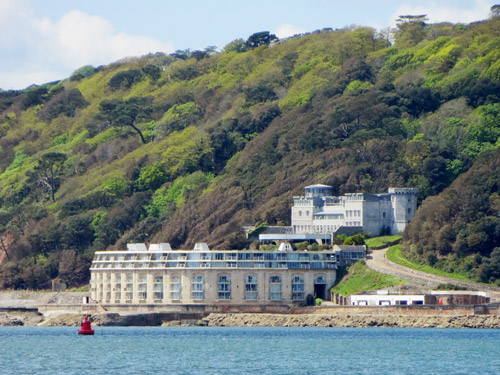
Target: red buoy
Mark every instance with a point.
(86, 329)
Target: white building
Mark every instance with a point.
(385, 299)
(160, 276)
(448, 297)
(318, 215)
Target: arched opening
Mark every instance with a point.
(320, 287)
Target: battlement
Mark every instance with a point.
(405, 191)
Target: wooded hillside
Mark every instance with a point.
(191, 146)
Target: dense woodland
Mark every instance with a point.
(194, 145)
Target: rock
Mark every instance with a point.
(11, 322)
(283, 320)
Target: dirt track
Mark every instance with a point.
(380, 263)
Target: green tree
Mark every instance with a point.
(410, 29)
(73, 269)
(47, 172)
(125, 79)
(4, 221)
(237, 45)
(356, 239)
(151, 177)
(152, 71)
(83, 72)
(119, 112)
(262, 38)
(495, 10)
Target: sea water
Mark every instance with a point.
(261, 351)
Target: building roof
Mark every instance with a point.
(318, 186)
(349, 247)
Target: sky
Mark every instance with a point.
(46, 40)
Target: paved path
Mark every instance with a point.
(380, 263)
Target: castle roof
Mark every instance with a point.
(318, 186)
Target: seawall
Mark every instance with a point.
(319, 320)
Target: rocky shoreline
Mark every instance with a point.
(260, 320)
(317, 320)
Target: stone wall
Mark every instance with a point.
(320, 320)
(415, 310)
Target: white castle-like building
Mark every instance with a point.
(318, 215)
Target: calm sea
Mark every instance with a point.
(206, 350)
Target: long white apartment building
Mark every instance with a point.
(159, 275)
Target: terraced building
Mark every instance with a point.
(158, 275)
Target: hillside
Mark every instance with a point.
(459, 230)
(191, 146)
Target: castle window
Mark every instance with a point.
(383, 215)
(198, 287)
(298, 288)
(409, 200)
(300, 213)
(275, 288)
(409, 210)
(224, 287)
(250, 287)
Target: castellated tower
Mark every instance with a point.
(404, 206)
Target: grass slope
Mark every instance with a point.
(394, 255)
(360, 278)
(378, 242)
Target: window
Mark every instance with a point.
(158, 287)
(250, 287)
(275, 288)
(142, 287)
(300, 213)
(118, 286)
(383, 215)
(129, 287)
(409, 210)
(298, 288)
(320, 280)
(198, 287)
(224, 287)
(175, 288)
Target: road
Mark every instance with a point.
(380, 263)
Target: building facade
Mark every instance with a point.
(160, 275)
(318, 215)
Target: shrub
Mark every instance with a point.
(125, 79)
(151, 177)
(66, 103)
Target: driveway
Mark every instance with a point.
(380, 263)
